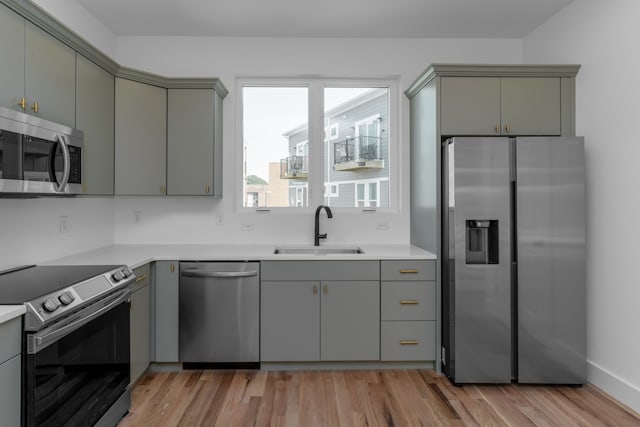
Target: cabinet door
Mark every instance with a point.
(530, 105)
(140, 331)
(141, 138)
(290, 321)
(350, 325)
(10, 383)
(95, 116)
(190, 141)
(50, 77)
(469, 105)
(165, 312)
(12, 63)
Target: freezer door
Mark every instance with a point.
(551, 260)
(479, 184)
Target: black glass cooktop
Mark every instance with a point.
(18, 286)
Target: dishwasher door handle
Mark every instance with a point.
(218, 274)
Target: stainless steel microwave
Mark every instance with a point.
(38, 157)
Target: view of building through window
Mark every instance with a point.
(354, 156)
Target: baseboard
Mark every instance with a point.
(616, 387)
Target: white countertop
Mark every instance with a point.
(8, 312)
(137, 255)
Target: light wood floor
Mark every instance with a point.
(360, 398)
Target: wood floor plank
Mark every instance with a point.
(360, 398)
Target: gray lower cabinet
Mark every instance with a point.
(140, 138)
(192, 145)
(319, 311)
(95, 117)
(408, 311)
(165, 318)
(10, 372)
(140, 329)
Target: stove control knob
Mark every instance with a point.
(51, 305)
(117, 276)
(66, 298)
(127, 272)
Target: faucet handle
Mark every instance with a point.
(322, 236)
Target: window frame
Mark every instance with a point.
(318, 138)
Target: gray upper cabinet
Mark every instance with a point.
(95, 116)
(191, 142)
(38, 71)
(140, 138)
(500, 105)
(50, 77)
(12, 46)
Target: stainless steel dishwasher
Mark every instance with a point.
(219, 314)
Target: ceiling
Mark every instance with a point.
(324, 18)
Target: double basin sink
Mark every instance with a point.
(317, 250)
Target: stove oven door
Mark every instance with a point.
(80, 378)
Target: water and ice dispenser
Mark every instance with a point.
(482, 241)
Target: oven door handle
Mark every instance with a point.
(42, 341)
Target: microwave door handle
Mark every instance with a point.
(67, 164)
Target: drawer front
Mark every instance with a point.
(320, 270)
(408, 301)
(408, 270)
(408, 340)
(10, 391)
(142, 277)
(11, 338)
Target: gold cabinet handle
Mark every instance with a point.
(507, 128)
(207, 189)
(409, 342)
(35, 107)
(497, 127)
(411, 271)
(325, 289)
(315, 290)
(162, 189)
(409, 302)
(23, 103)
(172, 268)
(141, 278)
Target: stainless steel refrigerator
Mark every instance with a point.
(513, 257)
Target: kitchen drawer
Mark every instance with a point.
(10, 391)
(320, 270)
(408, 301)
(408, 270)
(142, 277)
(408, 340)
(11, 338)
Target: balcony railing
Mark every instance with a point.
(294, 167)
(361, 152)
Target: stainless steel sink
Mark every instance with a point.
(317, 250)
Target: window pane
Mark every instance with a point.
(358, 150)
(275, 135)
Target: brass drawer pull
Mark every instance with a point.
(409, 302)
(409, 342)
(411, 271)
(141, 278)
(315, 290)
(172, 268)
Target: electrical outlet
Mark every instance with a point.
(136, 217)
(246, 227)
(382, 226)
(219, 219)
(64, 223)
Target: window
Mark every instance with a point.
(302, 140)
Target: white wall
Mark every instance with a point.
(30, 228)
(190, 220)
(603, 37)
